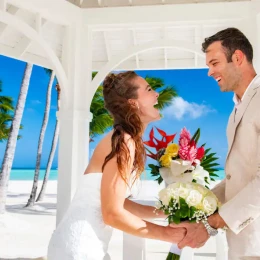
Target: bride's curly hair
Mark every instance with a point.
(117, 90)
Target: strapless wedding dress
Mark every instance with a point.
(82, 233)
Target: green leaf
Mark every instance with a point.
(207, 161)
(196, 136)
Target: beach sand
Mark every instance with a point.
(25, 232)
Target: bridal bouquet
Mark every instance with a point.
(183, 161)
(187, 170)
(186, 201)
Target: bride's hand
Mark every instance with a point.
(175, 234)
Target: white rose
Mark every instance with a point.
(174, 193)
(164, 196)
(201, 189)
(209, 204)
(183, 192)
(194, 198)
(174, 185)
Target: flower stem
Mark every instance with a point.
(172, 256)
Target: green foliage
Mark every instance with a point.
(155, 172)
(166, 93)
(6, 115)
(209, 164)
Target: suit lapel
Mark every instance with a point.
(236, 117)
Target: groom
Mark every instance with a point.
(229, 57)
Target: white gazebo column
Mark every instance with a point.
(74, 114)
(251, 27)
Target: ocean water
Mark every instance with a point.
(27, 174)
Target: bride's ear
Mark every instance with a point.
(133, 103)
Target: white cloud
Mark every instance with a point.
(36, 102)
(30, 110)
(180, 108)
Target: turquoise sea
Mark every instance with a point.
(27, 174)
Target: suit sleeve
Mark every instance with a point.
(219, 191)
(246, 204)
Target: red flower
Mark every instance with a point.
(159, 144)
(200, 153)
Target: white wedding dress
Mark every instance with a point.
(82, 233)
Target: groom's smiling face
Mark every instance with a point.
(225, 73)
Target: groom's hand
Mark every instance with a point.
(196, 235)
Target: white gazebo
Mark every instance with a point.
(76, 37)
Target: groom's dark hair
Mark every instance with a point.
(231, 39)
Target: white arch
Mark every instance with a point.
(182, 45)
(29, 32)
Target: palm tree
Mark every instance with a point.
(166, 93)
(102, 120)
(6, 103)
(31, 199)
(5, 126)
(6, 109)
(53, 149)
(12, 139)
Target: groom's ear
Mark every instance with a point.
(238, 57)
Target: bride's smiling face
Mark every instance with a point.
(147, 99)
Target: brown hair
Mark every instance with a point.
(117, 90)
(231, 39)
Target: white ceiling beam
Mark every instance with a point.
(164, 36)
(22, 46)
(136, 56)
(184, 13)
(130, 2)
(150, 65)
(28, 57)
(198, 39)
(38, 23)
(3, 5)
(108, 51)
(58, 11)
(11, 10)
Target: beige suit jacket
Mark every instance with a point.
(240, 191)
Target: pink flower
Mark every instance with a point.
(184, 138)
(188, 153)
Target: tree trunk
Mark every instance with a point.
(31, 199)
(50, 160)
(53, 149)
(12, 139)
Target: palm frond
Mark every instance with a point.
(165, 97)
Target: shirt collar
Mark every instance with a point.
(238, 101)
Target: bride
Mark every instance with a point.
(100, 202)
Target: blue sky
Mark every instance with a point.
(200, 104)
